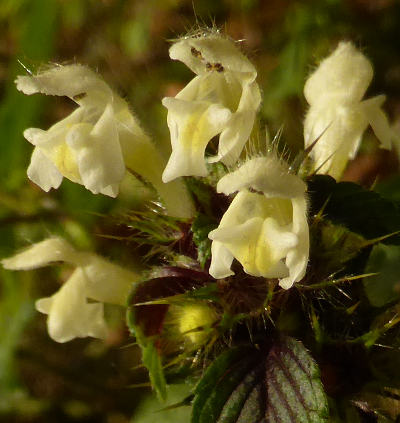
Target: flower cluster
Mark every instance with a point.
(264, 228)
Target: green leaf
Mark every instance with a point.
(295, 392)
(145, 323)
(152, 360)
(207, 392)
(362, 211)
(383, 403)
(384, 287)
(390, 188)
(332, 246)
(279, 384)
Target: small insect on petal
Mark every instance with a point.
(222, 99)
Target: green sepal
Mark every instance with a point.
(201, 227)
(148, 342)
(151, 358)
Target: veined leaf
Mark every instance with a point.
(245, 384)
(294, 388)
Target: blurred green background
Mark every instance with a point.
(127, 42)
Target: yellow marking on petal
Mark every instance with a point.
(66, 162)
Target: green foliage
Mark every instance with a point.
(152, 360)
(361, 211)
(278, 384)
(384, 287)
(17, 112)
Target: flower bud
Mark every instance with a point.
(195, 321)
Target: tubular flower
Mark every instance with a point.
(85, 147)
(70, 315)
(265, 228)
(97, 142)
(222, 99)
(337, 113)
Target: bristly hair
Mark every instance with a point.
(256, 148)
(199, 30)
(202, 29)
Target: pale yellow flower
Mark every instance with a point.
(70, 313)
(338, 113)
(265, 227)
(85, 147)
(221, 100)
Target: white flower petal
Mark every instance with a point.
(222, 260)
(345, 74)
(226, 88)
(378, 120)
(252, 174)
(107, 282)
(342, 128)
(192, 125)
(267, 231)
(71, 81)
(211, 47)
(297, 258)
(337, 115)
(42, 254)
(85, 146)
(70, 315)
(98, 152)
(43, 172)
(238, 130)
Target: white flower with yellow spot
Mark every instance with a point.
(70, 313)
(221, 100)
(97, 142)
(265, 227)
(338, 114)
(85, 147)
